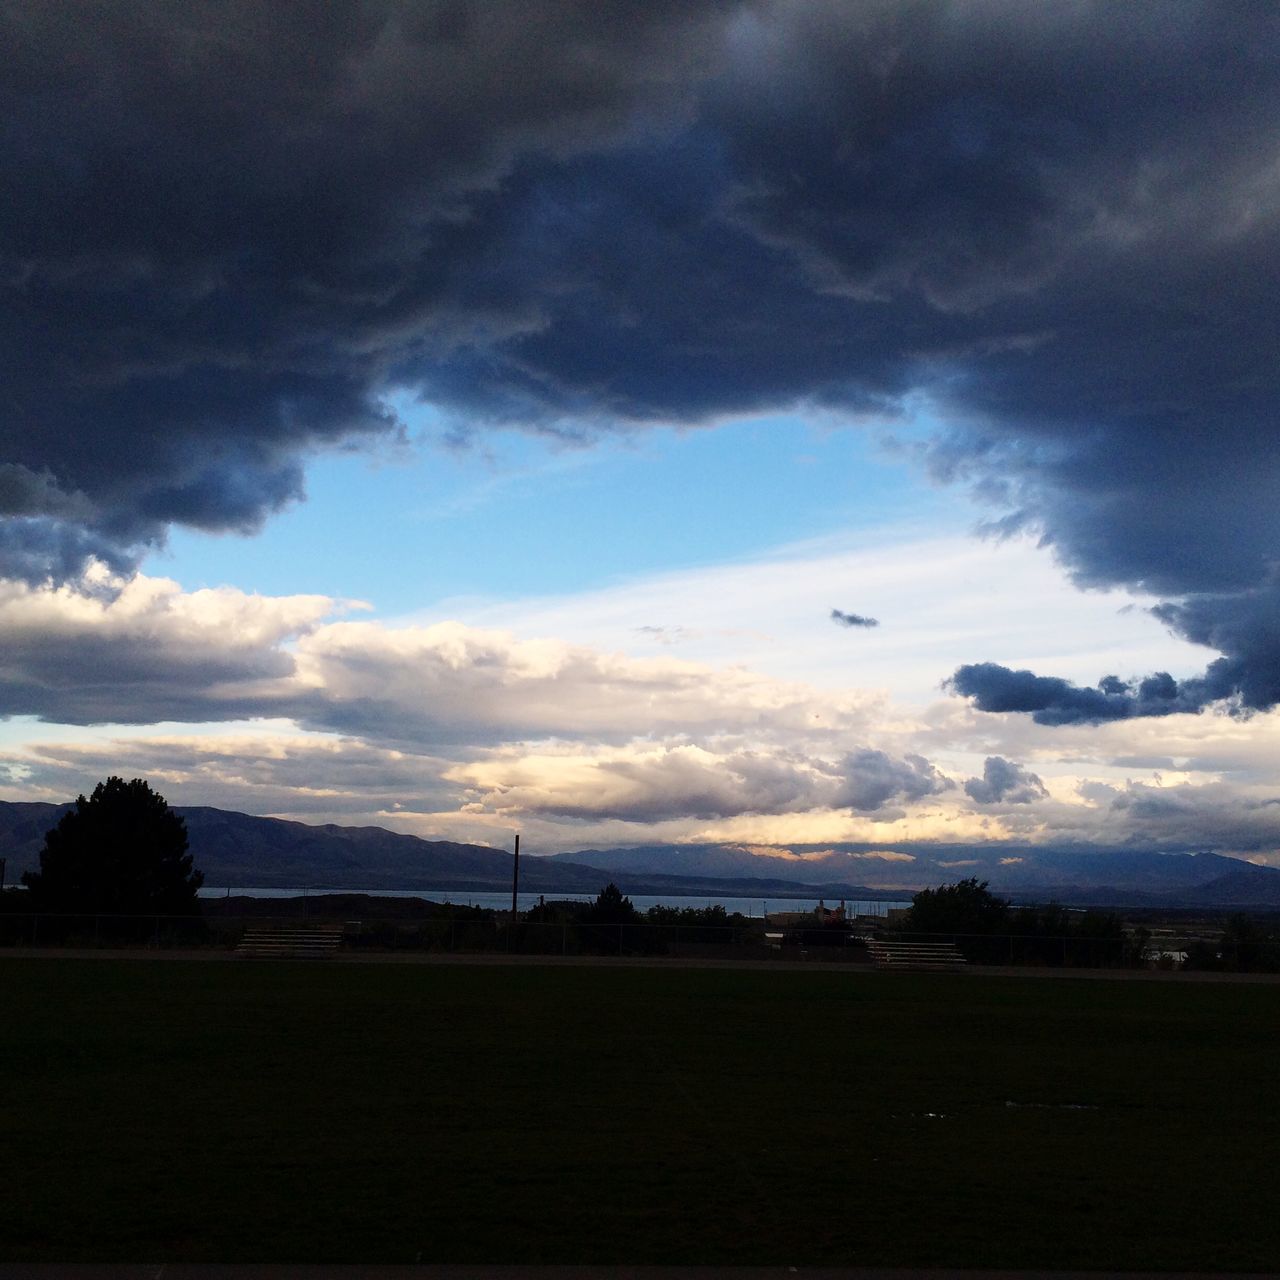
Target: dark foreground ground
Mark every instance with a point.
(216, 1271)
(253, 1112)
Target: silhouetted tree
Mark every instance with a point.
(1102, 940)
(123, 850)
(612, 908)
(609, 925)
(965, 907)
(557, 911)
(1053, 935)
(962, 910)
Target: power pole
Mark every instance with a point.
(515, 877)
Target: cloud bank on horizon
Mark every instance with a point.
(293, 706)
(1042, 242)
(544, 728)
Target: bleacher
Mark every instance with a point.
(914, 955)
(289, 942)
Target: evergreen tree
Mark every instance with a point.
(123, 850)
(611, 907)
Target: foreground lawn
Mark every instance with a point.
(187, 1111)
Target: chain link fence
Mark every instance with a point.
(466, 932)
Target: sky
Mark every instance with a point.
(771, 423)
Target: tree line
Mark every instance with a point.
(989, 930)
(122, 851)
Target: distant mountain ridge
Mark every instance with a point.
(239, 850)
(1122, 876)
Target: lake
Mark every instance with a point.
(501, 901)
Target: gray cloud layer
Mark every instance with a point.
(227, 230)
(1004, 782)
(872, 779)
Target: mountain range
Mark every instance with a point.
(1117, 877)
(239, 850)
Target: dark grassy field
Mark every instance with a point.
(186, 1111)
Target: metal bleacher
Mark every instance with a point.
(292, 942)
(915, 955)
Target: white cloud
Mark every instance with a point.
(939, 600)
(463, 731)
(451, 683)
(146, 651)
(647, 784)
(141, 650)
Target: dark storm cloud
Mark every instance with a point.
(1053, 701)
(222, 224)
(227, 230)
(1003, 781)
(843, 619)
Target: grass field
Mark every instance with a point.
(186, 1111)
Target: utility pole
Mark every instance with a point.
(515, 877)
